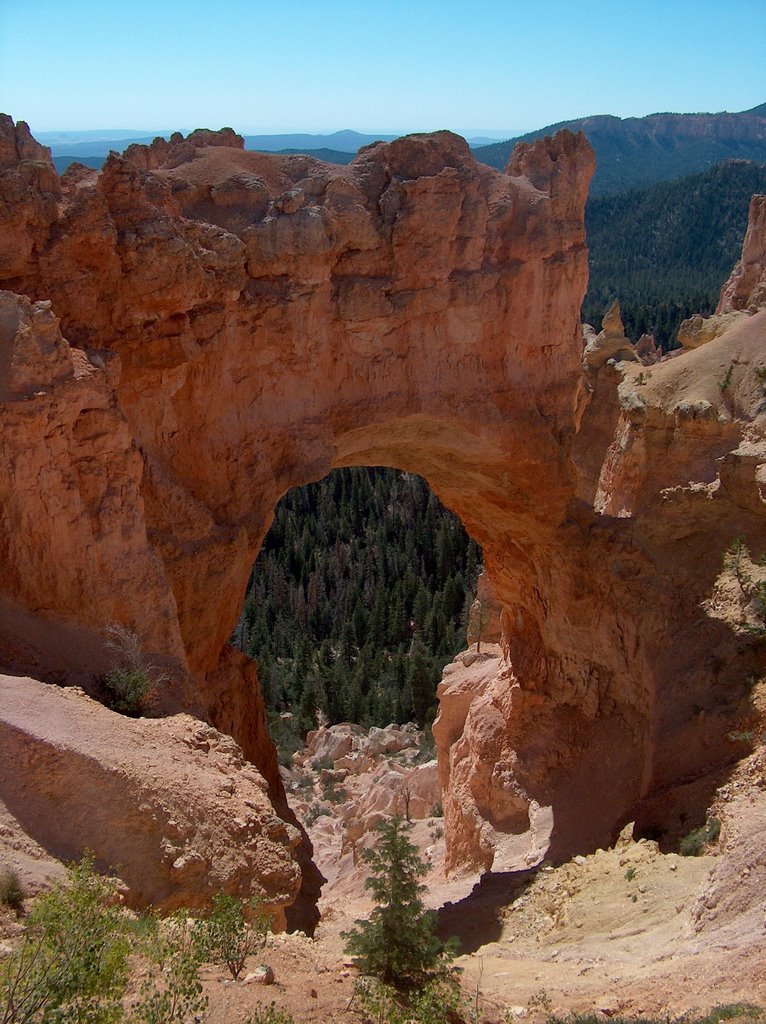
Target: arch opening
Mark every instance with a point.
(360, 595)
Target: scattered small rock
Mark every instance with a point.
(263, 975)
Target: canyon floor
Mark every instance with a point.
(629, 931)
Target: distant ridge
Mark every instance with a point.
(638, 151)
(62, 162)
(345, 141)
(75, 145)
(99, 146)
(630, 153)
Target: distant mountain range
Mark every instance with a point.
(92, 148)
(630, 152)
(638, 151)
(342, 142)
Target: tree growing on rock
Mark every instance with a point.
(478, 623)
(397, 944)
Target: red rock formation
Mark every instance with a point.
(263, 319)
(647, 350)
(746, 287)
(171, 804)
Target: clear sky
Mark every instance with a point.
(400, 65)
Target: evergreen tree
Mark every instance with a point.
(352, 568)
(397, 943)
(421, 683)
(665, 251)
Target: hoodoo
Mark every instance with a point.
(195, 329)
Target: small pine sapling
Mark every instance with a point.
(397, 943)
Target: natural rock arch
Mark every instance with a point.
(238, 324)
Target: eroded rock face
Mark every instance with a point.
(609, 343)
(249, 322)
(171, 804)
(746, 287)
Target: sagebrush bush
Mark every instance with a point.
(130, 681)
(11, 890)
(271, 1014)
(693, 844)
(229, 937)
(128, 689)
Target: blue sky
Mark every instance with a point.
(393, 66)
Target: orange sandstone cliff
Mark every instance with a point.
(195, 329)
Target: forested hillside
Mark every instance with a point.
(665, 251)
(358, 599)
(637, 151)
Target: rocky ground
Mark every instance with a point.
(629, 930)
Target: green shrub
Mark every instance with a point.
(397, 944)
(333, 795)
(725, 383)
(172, 994)
(731, 1011)
(270, 1014)
(753, 590)
(315, 811)
(130, 680)
(128, 689)
(437, 1002)
(286, 735)
(72, 965)
(229, 937)
(11, 891)
(694, 843)
(324, 763)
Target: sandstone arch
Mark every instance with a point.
(238, 324)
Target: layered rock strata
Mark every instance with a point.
(244, 323)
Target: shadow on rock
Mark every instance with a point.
(477, 919)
